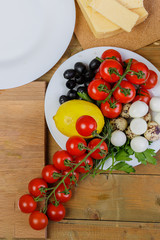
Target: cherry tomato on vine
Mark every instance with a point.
(151, 80)
(97, 76)
(125, 93)
(68, 180)
(143, 95)
(27, 203)
(125, 63)
(98, 89)
(60, 159)
(97, 154)
(73, 145)
(107, 69)
(60, 194)
(111, 108)
(47, 173)
(85, 166)
(141, 75)
(38, 220)
(34, 186)
(111, 53)
(56, 213)
(85, 125)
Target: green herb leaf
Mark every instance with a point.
(122, 166)
(84, 96)
(122, 156)
(146, 156)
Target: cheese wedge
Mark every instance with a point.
(102, 27)
(130, 4)
(116, 13)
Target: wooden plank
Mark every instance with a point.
(22, 156)
(102, 230)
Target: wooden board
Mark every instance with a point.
(22, 132)
(142, 35)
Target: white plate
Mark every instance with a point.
(57, 87)
(34, 35)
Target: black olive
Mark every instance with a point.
(80, 79)
(70, 84)
(63, 99)
(82, 89)
(87, 82)
(80, 67)
(89, 75)
(69, 73)
(94, 64)
(72, 94)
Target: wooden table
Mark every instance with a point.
(116, 208)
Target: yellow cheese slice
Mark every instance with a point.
(130, 4)
(116, 13)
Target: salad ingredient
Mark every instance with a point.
(94, 64)
(69, 73)
(125, 93)
(147, 117)
(118, 138)
(125, 63)
(112, 54)
(72, 94)
(72, 177)
(85, 166)
(140, 75)
(47, 173)
(118, 124)
(63, 99)
(111, 108)
(62, 159)
(155, 104)
(27, 203)
(89, 75)
(68, 113)
(74, 145)
(139, 144)
(108, 68)
(79, 79)
(63, 194)
(157, 118)
(56, 213)
(34, 186)
(129, 133)
(38, 220)
(151, 81)
(125, 110)
(138, 109)
(86, 125)
(99, 153)
(138, 126)
(98, 89)
(153, 131)
(142, 95)
(70, 84)
(80, 67)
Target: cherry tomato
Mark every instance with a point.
(111, 53)
(34, 186)
(38, 220)
(88, 162)
(68, 179)
(96, 154)
(125, 93)
(85, 125)
(73, 144)
(27, 203)
(59, 159)
(97, 76)
(111, 108)
(151, 80)
(47, 173)
(61, 196)
(125, 63)
(143, 95)
(98, 89)
(106, 68)
(140, 68)
(56, 213)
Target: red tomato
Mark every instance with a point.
(140, 68)
(106, 68)
(61, 196)
(125, 93)
(85, 125)
(34, 186)
(151, 80)
(56, 213)
(125, 63)
(38, 220)
(111, 108)
(98, 89)
(68, 179)
(73, 145)
(97, 76)
(143, 95)
(88, 161)
(27, 203)
(47, 173)
(96, 154)
(59, 159)
(111, 53)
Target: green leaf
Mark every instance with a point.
(141, 158)
(122, 166)
(129, 150)
(122, 156)
(84, 96)
(149, 153)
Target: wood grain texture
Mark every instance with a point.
(22, 133)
